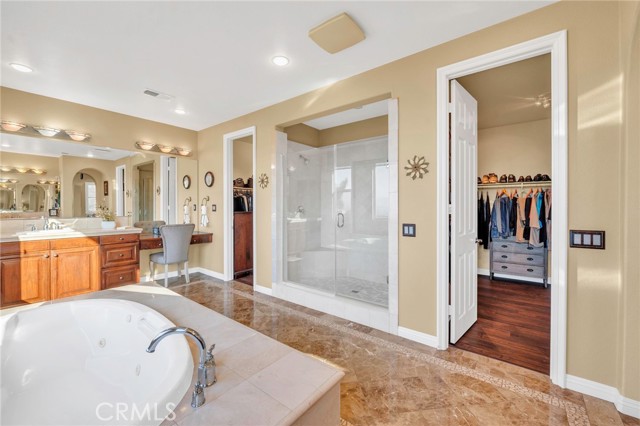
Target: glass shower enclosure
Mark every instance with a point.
(336, 205)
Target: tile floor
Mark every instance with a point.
(393, 381)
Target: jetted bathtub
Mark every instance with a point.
(84, 362)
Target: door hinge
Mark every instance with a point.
(449, 311)
(450, 208)
(450, 107)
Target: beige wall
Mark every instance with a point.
(106, 128)
(521, 149)
(358, 130)
(594, 284)
(629, 314)
(364, 129)
(243, 158)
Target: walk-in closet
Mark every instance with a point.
(514, 185)
(243, 209)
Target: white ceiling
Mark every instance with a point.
(507, 94)
(48, 147)
(214, 57)
(364, 112)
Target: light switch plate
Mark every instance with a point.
(213, 207)
(408, 229)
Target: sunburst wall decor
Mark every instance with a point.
(263, 180)
(417, 168)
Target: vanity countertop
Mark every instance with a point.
(58, 234)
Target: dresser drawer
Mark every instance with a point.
(119, 238)
(120, 276)
(119, 254)
(513, 247)
(523, 259)
(521, 270)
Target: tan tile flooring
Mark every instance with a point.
(393, 381)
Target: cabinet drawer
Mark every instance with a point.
(17, 248)
(119, 254)
(201, 238)
(70, 243)
(119, 238)
(523, 259)
(522, 270)
(114, 277)
(513, 247)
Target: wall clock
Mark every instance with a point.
(209, 179)
(186, 182)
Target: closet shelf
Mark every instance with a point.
(540, 184)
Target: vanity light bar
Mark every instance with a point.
(165, 149)
(49, 132)
(9, 180)
(35, 171)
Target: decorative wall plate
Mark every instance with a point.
(186, 182)
(263, 180)
(417, 168)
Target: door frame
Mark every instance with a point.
(227, 182)
(556, 45)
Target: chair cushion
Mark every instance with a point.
(157, 258)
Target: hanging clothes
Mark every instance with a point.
(500, 217)
(484, 217)
(487, 224)
(547, 200)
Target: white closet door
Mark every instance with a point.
(464, 217)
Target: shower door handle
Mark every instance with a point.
(340, 220)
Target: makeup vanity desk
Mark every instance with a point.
(149, 241)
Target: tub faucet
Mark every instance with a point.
(206, 366)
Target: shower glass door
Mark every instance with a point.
(336, 206)
(361, 191)
(310, 234)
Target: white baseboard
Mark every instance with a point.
(625, 405)
(261, 289)
(485, 272)
(209, 272)
(417, 336)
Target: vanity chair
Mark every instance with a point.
(176, 240)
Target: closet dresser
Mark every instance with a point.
(510, 257)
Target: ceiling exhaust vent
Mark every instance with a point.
(158, 95)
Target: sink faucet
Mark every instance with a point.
(206, 366)
(46, 223)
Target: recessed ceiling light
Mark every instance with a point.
(280, 61)
(21, 67)
(180, 111)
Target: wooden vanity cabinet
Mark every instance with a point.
(120, 259)
(75, 266)
(37, 271)
(25, 271)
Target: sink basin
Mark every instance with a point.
(45, 233)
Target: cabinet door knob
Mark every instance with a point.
(504, 246)
(504, 256)
(529, 270)
(504, 267)
(46, 256)
(121, 278)
(121, 238)
(55, 254)
(529, 259)
(121, 255)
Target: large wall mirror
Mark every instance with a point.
(73, 179)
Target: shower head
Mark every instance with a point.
(305, 159)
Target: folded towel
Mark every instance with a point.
(204, 220)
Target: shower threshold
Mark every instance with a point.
(375, 293)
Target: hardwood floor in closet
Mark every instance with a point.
(513, 324)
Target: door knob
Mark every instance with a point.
(478, 241)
